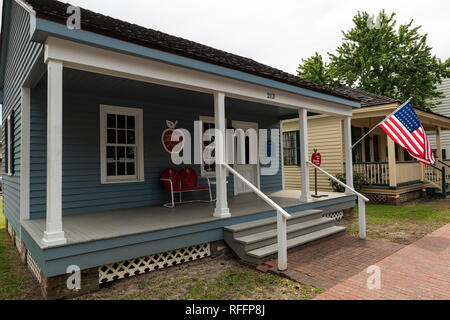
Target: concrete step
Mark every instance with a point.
(256, 241)
(249, 228)
(265, 238)
(267, 251)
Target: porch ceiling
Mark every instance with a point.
(103, 85)
(371, 116)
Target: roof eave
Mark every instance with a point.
(47, 27)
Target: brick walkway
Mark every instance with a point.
(418, 271)
(329, 262)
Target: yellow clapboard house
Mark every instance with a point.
(392, 175)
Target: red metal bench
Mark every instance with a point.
(186, 181)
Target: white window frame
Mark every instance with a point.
(139, 136)
(205, 119)
(10, 142)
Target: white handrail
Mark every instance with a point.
(361, 201)
(339, 182)
(282, 217)
(257, 191)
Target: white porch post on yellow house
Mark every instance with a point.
(222, 210)
(54, 234)
(304, 156)
(392, 162)
(439, 145)
(348, 153)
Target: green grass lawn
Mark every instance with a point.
(2, 217)
(11, 283)
(403, 224)
(219, 278)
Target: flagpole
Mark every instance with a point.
(407, 101)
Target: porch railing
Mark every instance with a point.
(408, 171)
(437, 177)
(282, 217)
(377, 173)
(361, 201)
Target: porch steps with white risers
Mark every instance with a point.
(256, 241)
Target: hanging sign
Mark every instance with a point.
(316, 159)
(167, 141)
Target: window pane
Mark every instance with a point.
(120, 121)
(130, 122)
(110, 154)
(111, 169)
(111, 120)
(130, 153)
(130, 168)
(120, 168)
(111, 136)
(121, 154)
(131, 139)
(121, 136)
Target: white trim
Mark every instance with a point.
(25, 155)
(245, 125)
(205, 119)
(282, 156)
(92, 59)
(27, 7)
(304, 155)
(54, 234)
(10, 142)
(222, 210)
(348, 152)
(139, 136)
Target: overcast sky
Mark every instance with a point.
(278, 33)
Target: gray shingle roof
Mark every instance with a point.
(367, 99)
(95, 22)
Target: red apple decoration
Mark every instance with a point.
(166, 138)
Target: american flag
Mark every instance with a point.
(405, 128)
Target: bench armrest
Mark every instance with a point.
(171, 183)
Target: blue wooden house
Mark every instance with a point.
(84, 111)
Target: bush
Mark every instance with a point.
(358, 181)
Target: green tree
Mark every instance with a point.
(317, 71)
(378, 57)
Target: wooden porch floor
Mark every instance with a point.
(82, 228)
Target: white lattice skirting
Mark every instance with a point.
(335, 215)
(19, 247)
(132, 267)
(32, 265)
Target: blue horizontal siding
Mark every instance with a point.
(82, 190)
(20, 54)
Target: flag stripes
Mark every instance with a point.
(405, 129)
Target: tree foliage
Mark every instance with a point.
(316, 70)
(378, 57)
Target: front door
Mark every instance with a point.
(245, 168)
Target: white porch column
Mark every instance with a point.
(222, 210)
(348, 152)
(54, 234)
(439, 145)
(392, 162)
(304, 155)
